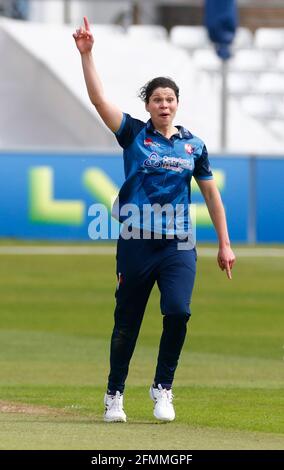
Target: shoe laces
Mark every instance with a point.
(116, 402)
(165, 394)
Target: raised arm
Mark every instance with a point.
(226, 257)
(110, 114)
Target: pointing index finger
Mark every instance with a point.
(228, 271)
(86, 22)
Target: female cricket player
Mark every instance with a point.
(160, 159)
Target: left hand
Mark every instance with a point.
(226, 259)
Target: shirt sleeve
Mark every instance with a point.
(202, 170)
(128, 130)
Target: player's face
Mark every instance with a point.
(162, 106)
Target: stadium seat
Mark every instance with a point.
(275, 126)
(260, 107)
(269, 38)
(279, 63)
(280, 108)
(141, 32)
(271, 83)
(250, 60)
(239, 83)
(189, 37)
(243, 38)
(207, 60)
(106, 29)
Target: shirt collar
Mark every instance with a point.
(183, 133)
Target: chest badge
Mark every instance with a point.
(188, 148)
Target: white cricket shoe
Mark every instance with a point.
(163, 408)
(114, 408)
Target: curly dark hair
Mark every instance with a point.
(164, 82)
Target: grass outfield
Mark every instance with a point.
(56, 320)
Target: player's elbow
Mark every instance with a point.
(97, 102)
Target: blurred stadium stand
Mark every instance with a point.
(17, 9)
(51, 95)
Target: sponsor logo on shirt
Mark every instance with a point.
(150, 143)
(168, 163)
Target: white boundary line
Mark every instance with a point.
(110, 250)
(57, 250)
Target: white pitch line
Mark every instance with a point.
(57, 250)
(245, 252)
(110, 250)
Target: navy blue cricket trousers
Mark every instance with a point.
(141, 263)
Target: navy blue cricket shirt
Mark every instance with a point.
(158, 173)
